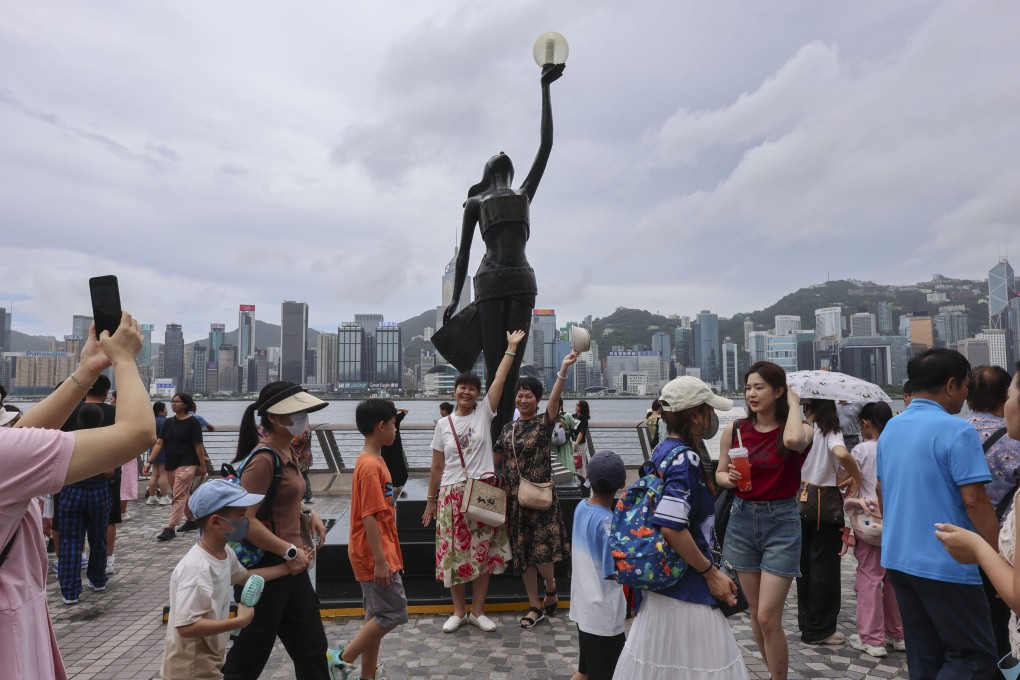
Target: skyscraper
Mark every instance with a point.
(829, 323)
(862, 325)
(326, 358)
(748, 327)
(683, 338)
(661, 344)
(729, 365)
(1001, 293)
(350, 359)
(951, 325)
(199, 362)
(293, 340)
(922, 330)
(5, 331)
(449, 274)
(787, 323)
(80, 325)
(389, 364)
(706, 346)
(541, 344)
(885, 318)
(245, 333)
(173, 354)
(216, 332)
(145, 356)
(996, 339)
(370, 322)
(758, 346)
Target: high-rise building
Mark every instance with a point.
(730, 378)
(229, 377)
(748, 327)
(885, 317)
(449, 274)
(787, 323)
(862, 325)
(922, 330)
(829, 323)
(880, 359)
(326, 358)
(683, 340)
(261, 361)
(996, 339)
(145, 356)
(758, 346)
(245, 333)
(782, 350)
(706, 346)
(173, 354)
(951, 325)
(805, 350)
(216, 333)
(389, 352)
(1014, 328)
(80, 325)
(976, 351)
(661, 344)
(1001, 292)
(73, 344)
(293, 341)
(905, 325)
(199, 362)
(5, 331)
(370, 322)
(542, 341)
(350, 353)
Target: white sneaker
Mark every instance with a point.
(871, 650)
(836, 638)
(483, 623)
(165, 500)
(453, 623)
(151, 500)
(898, 644)
(111, 567)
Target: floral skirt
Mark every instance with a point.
(466, 549)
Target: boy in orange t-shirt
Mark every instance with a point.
(374, 549)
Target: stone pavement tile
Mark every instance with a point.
(120, 634)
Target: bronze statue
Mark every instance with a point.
(505, 285)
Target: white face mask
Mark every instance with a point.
(298, 424)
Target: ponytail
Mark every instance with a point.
(248, 434)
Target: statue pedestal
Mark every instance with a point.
(338, 590)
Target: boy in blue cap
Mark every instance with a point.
(200, 586)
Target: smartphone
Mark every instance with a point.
(105, 303)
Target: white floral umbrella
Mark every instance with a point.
(834, 387)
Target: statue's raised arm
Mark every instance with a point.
(550, 73)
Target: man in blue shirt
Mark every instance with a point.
(931, 468)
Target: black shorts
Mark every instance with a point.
(115, 517)
(598, 654)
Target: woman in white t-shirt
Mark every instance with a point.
(467, 551)
(818, 587)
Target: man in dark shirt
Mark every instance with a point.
(83, 508)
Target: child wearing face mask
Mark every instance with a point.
(200, 584)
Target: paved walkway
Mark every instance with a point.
(119, 634)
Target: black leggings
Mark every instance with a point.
(497, 316)
(288, 609)
(598, 654)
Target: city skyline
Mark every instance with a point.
(810, 141)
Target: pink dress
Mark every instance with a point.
(35, 463)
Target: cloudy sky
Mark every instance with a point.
(707, 155)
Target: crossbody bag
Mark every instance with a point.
(532, 495)
(483, 501)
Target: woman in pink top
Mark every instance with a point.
(39, 459)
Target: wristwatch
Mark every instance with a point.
(290, 553)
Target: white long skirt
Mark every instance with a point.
(673, 639)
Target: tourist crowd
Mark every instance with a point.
(928, 495)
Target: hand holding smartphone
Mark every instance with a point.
(105, 303)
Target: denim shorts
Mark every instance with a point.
(764, 536)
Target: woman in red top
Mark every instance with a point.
(763, 535)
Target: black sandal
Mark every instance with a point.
(528, 622)
(550, 609)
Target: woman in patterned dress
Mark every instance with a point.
(538, 538)
(467, 551)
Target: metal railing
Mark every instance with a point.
(335, 446)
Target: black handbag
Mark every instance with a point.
(741, 605)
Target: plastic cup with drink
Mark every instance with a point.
(740, 462)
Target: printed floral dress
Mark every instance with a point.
(536, 536)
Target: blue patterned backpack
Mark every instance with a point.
(643, 557)
(249, 554)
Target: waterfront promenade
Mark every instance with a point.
(119, 634)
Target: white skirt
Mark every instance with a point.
(673, 639)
